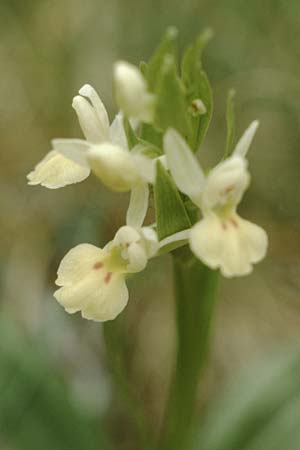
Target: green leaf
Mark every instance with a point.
(132, 139)
(197, 86)
(171, 215)
(260, 412)
(191, 60)
(151, 134)
(230, 121)
(171, 106)
(155, 65)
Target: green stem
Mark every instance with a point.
(195, 291)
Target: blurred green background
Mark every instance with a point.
(53, 365)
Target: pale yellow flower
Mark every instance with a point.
(222, 239)
(93, 280)
(105, 152)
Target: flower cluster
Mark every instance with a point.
(125, 155)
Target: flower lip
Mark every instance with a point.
(92, 280)
(232, 245)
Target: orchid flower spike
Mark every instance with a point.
(105, 152)
(131, 91)
(93, 280)
(221, 239)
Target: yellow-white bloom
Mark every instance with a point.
(131, 91)
(93, 280)
(104, 151)
(222, 239)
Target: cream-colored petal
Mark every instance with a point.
(254, 239)
(78, 263)
(56, 171)
(150, 241)
(126, 235)
(137, 257)
(232, 245)
(146, 167)
(108, 302)
(234, 258)
(131, 92)
(88, 91)
(226, 183)
(74, 149)
(183, 165)
(206, 240)
(90, 123)
(99, 296)
(138, 205)
(245, 141)
(75, 296)
(117, 133)
(114, 166)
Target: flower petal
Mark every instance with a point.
(226, 183)
(138, 205)
(88, 91)
(117, 133)
(245, 141)
(74, 297)
(90, 123)
(108, 302)
(232, 245)
(146, 167)
(55, 171)
(74, 149)
(78, 263)
(254, 239)
(98, 298)
(114, 166)
(126, 235)
(150, 241)
(234, 259)
(206, 240)
(131, 91)
(183, 165)
(137, 258)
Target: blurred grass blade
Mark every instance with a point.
(262, 409)
(36, 408)
(116, 355)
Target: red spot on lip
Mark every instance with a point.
(234, 223)
(229, 189)
(98, 265)
(107, 277)
(224, 226)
